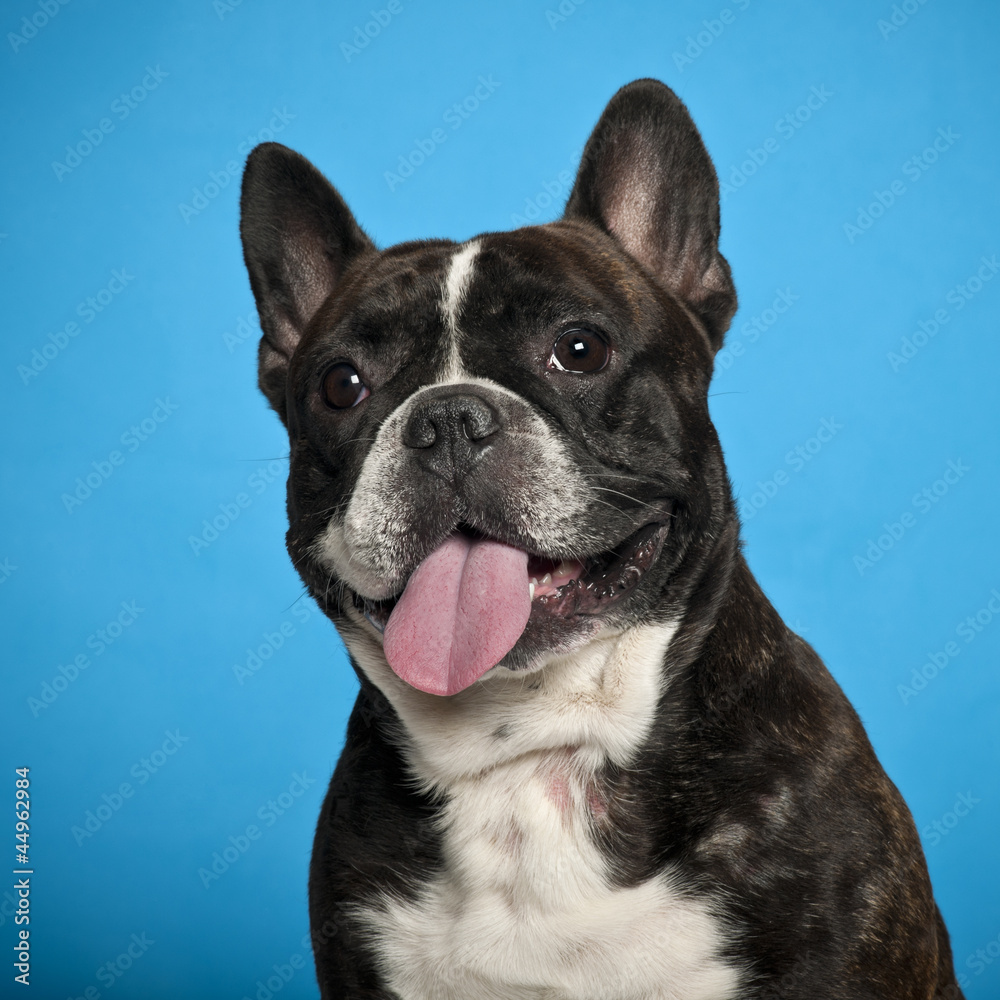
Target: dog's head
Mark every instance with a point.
(501, 448)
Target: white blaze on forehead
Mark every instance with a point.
(455, 285)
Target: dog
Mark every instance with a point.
(588, 761)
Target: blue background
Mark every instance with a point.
(181, 330)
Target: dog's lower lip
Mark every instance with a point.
(602, 579)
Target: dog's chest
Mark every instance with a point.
(523, 909)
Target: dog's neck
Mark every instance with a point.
(600, 700)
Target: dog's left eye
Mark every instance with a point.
(342, 387)
(580, 351)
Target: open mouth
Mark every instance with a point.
(568, 587)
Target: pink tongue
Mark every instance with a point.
(462, 611)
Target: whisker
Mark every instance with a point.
(326, 592)
(357, 440)
(612, 475)
(605, 502)
(340, 505)
(605, 489)
(305, 593)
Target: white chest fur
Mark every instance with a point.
(524, 909)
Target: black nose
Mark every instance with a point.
(451, 433)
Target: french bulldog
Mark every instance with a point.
(588, 760)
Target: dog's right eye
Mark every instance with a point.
(342, 387)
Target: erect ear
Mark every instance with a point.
(298, 239)
(646, 178)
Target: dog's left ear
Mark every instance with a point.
(646, 178)
(299, 237)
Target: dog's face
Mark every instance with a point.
(500, 449)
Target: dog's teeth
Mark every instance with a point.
(546, 579)
(531, 590)
(564, 569)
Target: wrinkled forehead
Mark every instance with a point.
(538, 270)
(488, 305)
(570, 260)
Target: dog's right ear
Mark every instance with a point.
(298, 239)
